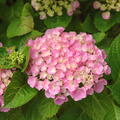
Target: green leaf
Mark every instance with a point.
(22, 25)
(83, 116)
(40, 108)
(8, 13)
(3, 52)
(58, 21)
(99, 36)
(74, 25)
(35, 34)
(71, 113)
(22, 40)
(32, 35)
(96, 106)
(113, 114)
(100, 107)
(17, 8)
(2, 1)
(114, 58)
(115, 89)
(27, 56)
(53, 118)
(18, 93)
(104, 25)
(88, 25)
(15, 114)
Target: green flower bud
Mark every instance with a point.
(61, 3)
(103, 7)
(16, 57)
(50, 12)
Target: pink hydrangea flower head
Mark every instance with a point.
(66, 64)
(5, 78)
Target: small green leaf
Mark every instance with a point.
(88, 25)
(35, 34)
(22, 25)
(27, 56)
(18, 93)
(58, 21)
(99, 36)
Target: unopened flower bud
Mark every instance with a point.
(106, 15)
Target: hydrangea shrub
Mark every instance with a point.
(59, 60)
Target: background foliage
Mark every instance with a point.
(19, 22)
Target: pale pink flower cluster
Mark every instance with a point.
(66, 64)
(5, 77)
(50, 8)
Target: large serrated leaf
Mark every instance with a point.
(83, 116)
(40, 108)
(113, 114)
(71, 113)
(15, 114)
(18, 93)
(53, 118)
(96, 106)
(114, 57)
(100, 107)
(115, 89)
